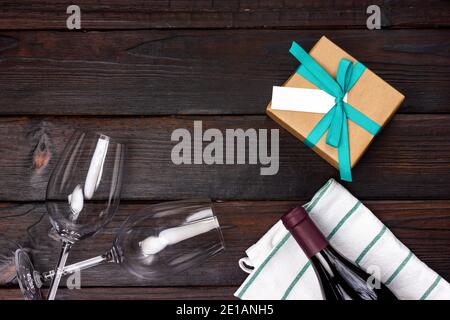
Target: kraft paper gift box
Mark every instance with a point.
(370, 95)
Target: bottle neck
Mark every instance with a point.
(304, 231)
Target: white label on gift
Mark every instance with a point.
(302, 100)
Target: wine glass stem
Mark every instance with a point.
(59, 270)
(75, 267)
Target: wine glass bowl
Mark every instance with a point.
(168, 238)
(84, 189)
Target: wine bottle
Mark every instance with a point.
(339, 278)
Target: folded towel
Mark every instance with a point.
(282, 270)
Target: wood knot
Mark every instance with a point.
(41, 153)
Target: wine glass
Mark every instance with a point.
(83, 194)
(159, 240)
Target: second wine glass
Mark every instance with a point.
(158, 241)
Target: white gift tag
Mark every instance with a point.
(302, 100)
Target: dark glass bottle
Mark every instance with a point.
(339, 278)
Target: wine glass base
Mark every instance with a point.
(27, 276)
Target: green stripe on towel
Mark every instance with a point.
(431, 288)
(399, 268)
(319, 194)
(342, 221)
(261, 267)
(370, 245)
(296, 279)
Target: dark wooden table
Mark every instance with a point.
(141, 69)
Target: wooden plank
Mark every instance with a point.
(27, 14)
(143, 293)
(424, 226)
(199, 72)
(410, 159)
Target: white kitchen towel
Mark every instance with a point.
(281, 270)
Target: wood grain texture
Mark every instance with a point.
(409, 159)
(424, 226)
(200, 72)
(222, 14)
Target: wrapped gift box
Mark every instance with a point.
(371, 95)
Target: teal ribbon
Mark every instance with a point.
(335, 120)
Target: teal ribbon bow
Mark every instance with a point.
(335, 120)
